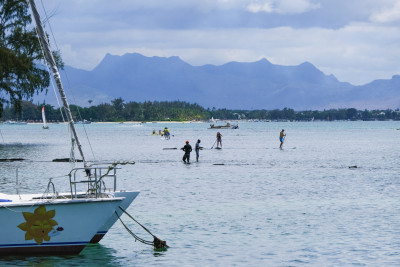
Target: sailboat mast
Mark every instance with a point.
(50, 59)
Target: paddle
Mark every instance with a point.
(2, 136)
(214, 144)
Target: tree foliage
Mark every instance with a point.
(118, 111)
(21, 74)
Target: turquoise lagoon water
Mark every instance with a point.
(249, 204)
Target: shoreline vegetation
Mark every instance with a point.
(179, 111)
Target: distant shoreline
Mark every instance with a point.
(124, 122)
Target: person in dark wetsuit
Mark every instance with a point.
(197, 149)
(187, 149)
(219, 139)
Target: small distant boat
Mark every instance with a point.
(83, 122)
(15, 122)
(45, 126)
(227, 126)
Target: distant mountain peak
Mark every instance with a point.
(234, 85)
(264, 60)
(308, 66)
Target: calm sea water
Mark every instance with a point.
(249, 204)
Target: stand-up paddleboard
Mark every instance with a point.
(169, 148)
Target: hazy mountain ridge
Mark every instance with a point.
(234, 85)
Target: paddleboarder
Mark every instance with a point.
(282, 137)
(187, 149)
(197, 149)
(166, 133)
(219, 139)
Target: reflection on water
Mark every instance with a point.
(92, 255)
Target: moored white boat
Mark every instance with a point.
(95, 187)
(52, 226)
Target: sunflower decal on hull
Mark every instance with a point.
(39, 224)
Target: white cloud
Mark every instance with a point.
(256, 7)
(282, 6)
(388, 14)
(357, 52)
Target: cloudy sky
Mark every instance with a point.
(356, 40)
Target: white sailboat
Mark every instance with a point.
(61, 223)
(45, 126)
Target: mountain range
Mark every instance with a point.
(234, 85)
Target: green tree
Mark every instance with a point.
(21, 74)
(351, 113)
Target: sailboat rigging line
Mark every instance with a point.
(48, 69)
(56, 75)
(87, 136)
(72, 152)
(54, 89)
(48, 19)
(68, 82)
(55, 43)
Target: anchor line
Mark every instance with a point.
(133, 234)
(156, 243)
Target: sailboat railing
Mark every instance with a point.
(90, 181)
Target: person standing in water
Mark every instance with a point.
(187, 149)
(219, 139)
(197, 149)
(166, 133)
(282, 137)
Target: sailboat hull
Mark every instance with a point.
(43, 250)
(52, 227)
(128, 199)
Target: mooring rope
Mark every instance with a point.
(133, 234)
(156, 243)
